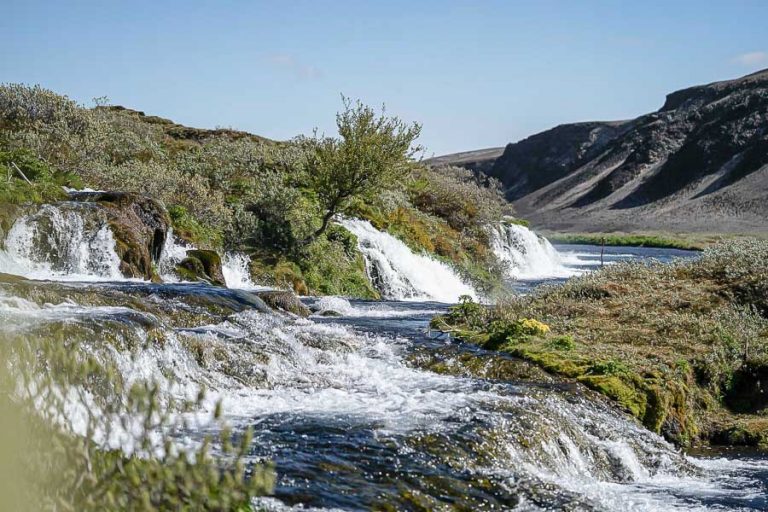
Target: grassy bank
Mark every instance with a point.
(682, 347)
(694, 242)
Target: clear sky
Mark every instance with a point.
(475, 73)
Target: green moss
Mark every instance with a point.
(618, 389)
(331, 265)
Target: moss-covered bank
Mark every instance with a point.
(682, 347)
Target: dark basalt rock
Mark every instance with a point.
(140, 226)
(284, 301)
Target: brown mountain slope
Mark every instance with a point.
(700, 163)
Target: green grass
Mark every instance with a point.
(686, 242)
(681, 346)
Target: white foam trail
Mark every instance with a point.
(343, 307)
(527, 255)
(59, 243)
(399, 274)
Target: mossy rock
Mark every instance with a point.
(201, 265)
(284, 301)
(743, 433)
(211, 264)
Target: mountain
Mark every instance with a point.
(481, 160)
(699, 163)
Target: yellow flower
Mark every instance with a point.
(534, 327)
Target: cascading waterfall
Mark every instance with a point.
(323, 393)
(528, 256)
(68, 240)
(234, 265)
(400, 274)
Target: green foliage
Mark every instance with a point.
(333, 266)
(466, 202)
(609, 367)
(231, 190)
(372, 153)
(46, 184)
(53, 463)
(467, 313)
(563, 342)
(188, 228)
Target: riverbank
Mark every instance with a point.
(681, 347)
(661, 240)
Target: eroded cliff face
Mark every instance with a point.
(700, 163)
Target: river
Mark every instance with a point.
(368, 409)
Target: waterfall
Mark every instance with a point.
(400, 274)
(234, 265)
(61, 241)
(527, 255)
(237, 272)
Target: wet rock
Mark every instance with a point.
(202, 265)
(284, 301)
(140, 226)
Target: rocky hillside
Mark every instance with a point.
(699, 163)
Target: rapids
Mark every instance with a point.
(367, 409)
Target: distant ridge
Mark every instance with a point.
(699, 163)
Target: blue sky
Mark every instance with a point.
(474, 73)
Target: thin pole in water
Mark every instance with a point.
(602, 251)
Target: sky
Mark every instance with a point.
(475, 74)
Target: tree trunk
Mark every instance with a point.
(326, 220)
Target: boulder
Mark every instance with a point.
(202, 265)
(140, 227)
(284, 301)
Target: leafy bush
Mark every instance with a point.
(467, 202)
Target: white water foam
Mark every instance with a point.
(236, 269)
(527, 255)
(343, 307)
(400, 274)
(59, 243)
(174, 250)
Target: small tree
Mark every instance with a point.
(373, 152)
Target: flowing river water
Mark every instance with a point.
(367, 409)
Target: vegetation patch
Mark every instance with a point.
(683, 347)
(229, 190)
(665, 241)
